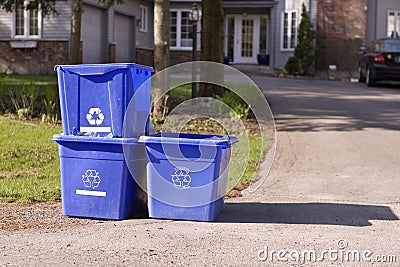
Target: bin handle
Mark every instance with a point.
(87, 72)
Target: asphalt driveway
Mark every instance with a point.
(332, 197)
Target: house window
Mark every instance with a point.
(289, 30)
(27, 23)
(393, 26)
(144, 14)
(180, 30)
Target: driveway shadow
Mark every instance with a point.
(302, 105)
(305, 213)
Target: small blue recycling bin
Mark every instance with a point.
(95, 97)
(95, 179)
(186, 175)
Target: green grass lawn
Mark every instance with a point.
(238, 175)
(17, 79)
(29, 163)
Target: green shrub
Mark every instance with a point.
(236, 103)
(292, 66)
(29, 99)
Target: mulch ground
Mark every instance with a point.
(44, 215)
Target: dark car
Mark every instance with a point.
(380, 62)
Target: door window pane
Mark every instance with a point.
(247, 37)
(173, 26)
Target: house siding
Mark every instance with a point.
(53, 46)
(280, 56)
(59, 27)
(382, 7)
(53, 28)
(371, 20)
(5, 25)
(143, 39)
(377, 18)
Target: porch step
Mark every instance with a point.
(252, 68)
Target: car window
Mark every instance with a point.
(378, 45)
(391, 46)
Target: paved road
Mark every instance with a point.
(334, 189)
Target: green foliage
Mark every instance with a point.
(29, 164)
(50, 115)
(292, 66)
(29, 96)
(239, 107)
(305, 49)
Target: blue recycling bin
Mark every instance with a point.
(95, 179)
(186, 175)
(95, 97)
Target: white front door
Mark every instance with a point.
(247, 38)
(242, 38)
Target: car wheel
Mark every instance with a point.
(361, 77)
(370, 79)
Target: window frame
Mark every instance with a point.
(144, 18)
(396, 22)
(27, 24)
(289, 33)
(178, 25)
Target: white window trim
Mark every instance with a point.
(144, 18)
(289, 27)
(26, 25)
(178, 46)
(397, 16)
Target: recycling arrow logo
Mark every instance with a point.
(181, 178)
(91, 179)
(95, 116)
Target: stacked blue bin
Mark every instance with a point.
(95, 179)
(187, 175)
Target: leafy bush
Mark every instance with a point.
(304, 52)
(236, 103)
(292, 66)
(29, 100)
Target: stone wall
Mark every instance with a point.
(145, 57)
(39, 60)
(341, 28)
(177, 57)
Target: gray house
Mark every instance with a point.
(252, 28)
(383, 19)
(30, 43)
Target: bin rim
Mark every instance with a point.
(189, 139)
(89, 139)
(97, 69)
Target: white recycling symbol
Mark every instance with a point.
(91, 179)
(95, 116)
(181, 177)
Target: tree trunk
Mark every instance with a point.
(212, 42)
(75, 43)
(161, 48)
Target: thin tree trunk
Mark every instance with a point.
(161, 47)
(75, 43)
(212, 42)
